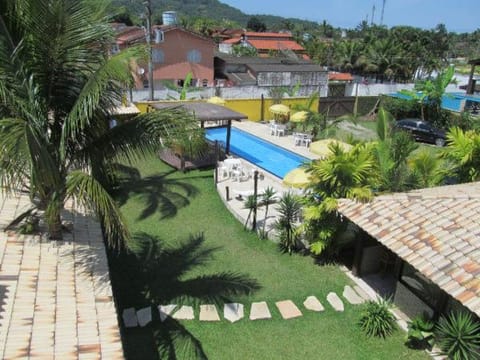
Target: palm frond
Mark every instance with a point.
(88, 192)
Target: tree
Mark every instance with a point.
(342, 175)
(244, 50)
(255, 24)
(57, 89)
(266, 199)
(463, 152)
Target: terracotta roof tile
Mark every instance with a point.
(436, 230)
(336, 76)
(275, 44)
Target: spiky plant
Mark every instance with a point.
(458, 336)
(377, 320)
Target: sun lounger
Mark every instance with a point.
(243, 194)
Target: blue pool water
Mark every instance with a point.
(268, 156)
(450, 101)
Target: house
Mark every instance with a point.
(426, 245)
(269, 72)
(175, 53)
(265, 43)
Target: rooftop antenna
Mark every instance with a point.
(383, 10)
(373, 14)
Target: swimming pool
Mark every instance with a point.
(264, 154)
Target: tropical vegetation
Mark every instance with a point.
(377, 320)
(58, 88)
(458, 336)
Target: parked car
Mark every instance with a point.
(422, 131)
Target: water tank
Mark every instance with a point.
(169, 18)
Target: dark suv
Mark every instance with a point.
(422, 131)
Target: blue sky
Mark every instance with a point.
(457, 15)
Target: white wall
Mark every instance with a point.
(359, 89)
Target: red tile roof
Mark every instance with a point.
(268, 34)
(335, 76)
(180, 70)
(232, 40)
(275, 44)
(435, 230)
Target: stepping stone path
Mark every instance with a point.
(233, 312)
(288, 309)
(312, 303)
(260, 311)
(165, 311)
(351, 296)
(130, 318)
(362, 293)
(144, 316)
(208, 313)
(184, 313)
(335, 301)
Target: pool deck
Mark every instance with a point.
(235, 205)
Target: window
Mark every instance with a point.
(424, 127)
(159, 36)
(158, 57)
(115, 49)
(420, 285)
(204, 82)
(194, 56)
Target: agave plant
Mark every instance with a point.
(458, 336)
(377, 320)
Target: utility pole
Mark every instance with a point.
(148, 7)
(373, 14)
(383, 10)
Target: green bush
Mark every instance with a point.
(458, 336)
(420, 333)
(377, 320)
(401, 108)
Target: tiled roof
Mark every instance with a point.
(56, 300)
(436, 230)
(336, 76)
(275, 44)
(251, 34)
(180, 71)
(232, 41)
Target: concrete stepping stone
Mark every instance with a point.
(363, 294)
(144, 316)
(184, 313)
(259, 311)
(288, 309)
(335, 301)
(208, 313)
(233, 312)
(165, 311)
(130, 318)
(351, 296)
(312, 303)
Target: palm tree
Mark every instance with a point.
(57, 89)
(463, 152)
(342, 175)
(267, 198)
(250, 204)
(426, 169)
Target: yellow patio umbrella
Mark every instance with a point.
(279, 109)
(299, 116)
(298, 178)
(321, 147)
(216, 100)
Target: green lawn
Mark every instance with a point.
(164, 208)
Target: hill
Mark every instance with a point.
(212, 9)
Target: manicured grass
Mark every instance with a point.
(164, 208)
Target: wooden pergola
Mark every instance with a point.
(471, 82)
(207, 112)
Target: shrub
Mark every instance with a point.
(458, 336)
(420, 333)
(377, 320)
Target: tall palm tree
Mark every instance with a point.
(58, 87)
(267, 198)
